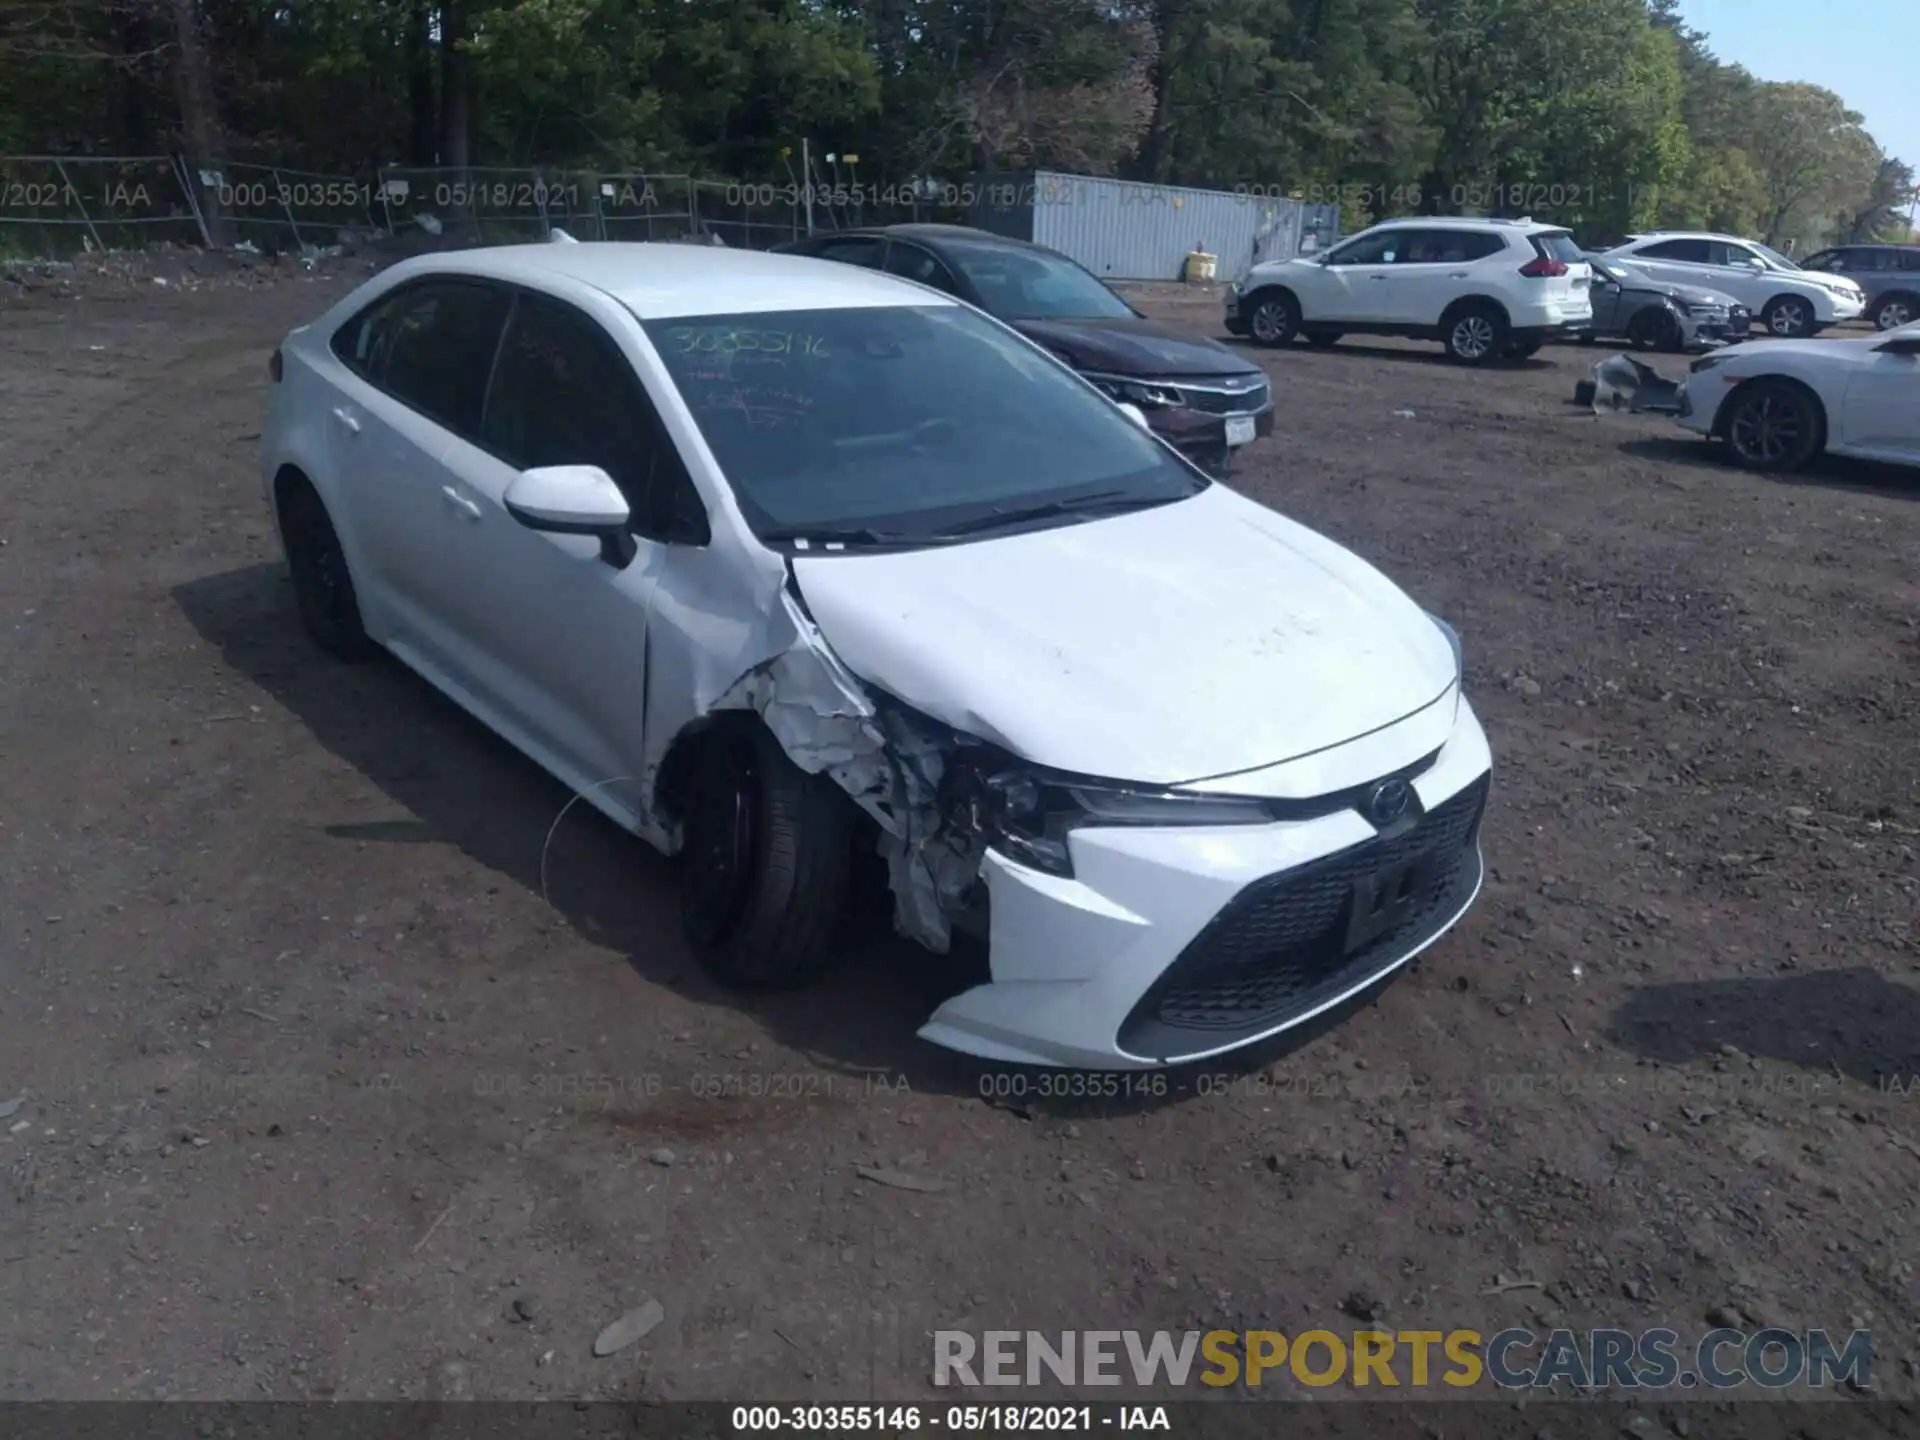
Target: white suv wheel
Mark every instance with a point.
(1472, 337)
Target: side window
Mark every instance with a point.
(1381, 249)
(1910, 260)
(1835, 260)
(563, 394)
(1451, 247)
(917, 264)
(434, 351)
(1871, 260)
(852, 250)
(1737, 255)
(1694, 252)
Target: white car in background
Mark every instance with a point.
(1779, 404)
(773, 560)
(1789, 302)
(1485, 289)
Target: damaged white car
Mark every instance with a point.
(771, 558)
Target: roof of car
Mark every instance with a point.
(1526, 224)
(933, 231)
(1684, 235)
(662, 280)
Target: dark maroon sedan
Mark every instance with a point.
(1195, 392)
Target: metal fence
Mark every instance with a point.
(54, 205)
(58, 204)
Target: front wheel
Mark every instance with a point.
(1893, 311)
(1274, 320)
(1654, 330)
(1476, 335)
(768, 849)
(1788, 317)
(1774, 426)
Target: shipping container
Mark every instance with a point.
(1122, 230)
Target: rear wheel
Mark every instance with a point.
(1788, 316)
(1274, 319)
(1774, 426)
(322, 586)
(767, 854)
(1475, 334)
(1893, 311)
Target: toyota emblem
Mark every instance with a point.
(1388, 801)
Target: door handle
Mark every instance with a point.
(1459, 275)
(347, 420)
(460, 502)
(1376, 277)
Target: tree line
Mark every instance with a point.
(1607, 115)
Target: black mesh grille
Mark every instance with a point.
(1280, 946)
(1213, 403)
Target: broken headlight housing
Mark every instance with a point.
(1027, 814)
(1145, 394)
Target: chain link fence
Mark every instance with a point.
(57, 205)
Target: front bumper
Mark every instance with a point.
(1172, 945)
(1839, 309)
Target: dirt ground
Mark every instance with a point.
(335, 1079)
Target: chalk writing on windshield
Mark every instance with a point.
(713, 340)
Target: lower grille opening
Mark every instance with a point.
(1289, 943)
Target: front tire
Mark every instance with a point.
(767, 855)
(1774, 426)
(1893, 311)
(1274, 319)
(1788, 317)
(1654, 330)
(322, 585)
(1475, 335)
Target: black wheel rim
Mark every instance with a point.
(319, 564)
(1768, 429)
(722, 841)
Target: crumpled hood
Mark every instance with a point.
(1180, 643)
(1128, 345)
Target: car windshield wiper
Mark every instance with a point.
(846, 535)
(1109, 502)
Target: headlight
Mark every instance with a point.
(1453, 642)
(1027, 814)
(1146, 395)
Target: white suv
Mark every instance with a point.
(1789, 301)
(1483, 288)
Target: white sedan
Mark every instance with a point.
(1778, 404)
(768, 557)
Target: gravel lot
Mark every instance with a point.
(321, 1096)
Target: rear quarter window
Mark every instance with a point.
(1559, 245)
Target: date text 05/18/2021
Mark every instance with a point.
(954, 1419)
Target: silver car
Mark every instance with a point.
(1890, 275)
(1650, 314)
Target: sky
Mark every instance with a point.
(1848, 46)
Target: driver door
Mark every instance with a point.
(559, 634)
(1357, 279)
(1882, 409)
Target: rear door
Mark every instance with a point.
(420, 360)
(1678, 262)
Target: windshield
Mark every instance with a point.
(1033, 285)
(1773, 257)
(906, 422)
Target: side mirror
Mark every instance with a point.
(1136, 414)
(575, 500)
